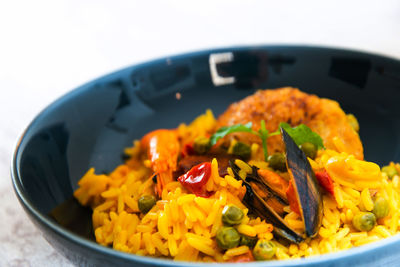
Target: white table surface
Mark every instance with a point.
(50, 47)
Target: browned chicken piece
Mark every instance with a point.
(290, 105)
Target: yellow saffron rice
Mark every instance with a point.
(183, 226)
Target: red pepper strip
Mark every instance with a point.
(292, 199)
(196, 178)
(325, 181)
(187, 150)
(247, 257)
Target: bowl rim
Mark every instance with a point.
(66, 234)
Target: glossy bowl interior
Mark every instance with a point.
(90, 126)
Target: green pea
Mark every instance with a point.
(249, 241)
(364, 221)
(353, 122)
(227, 237)
(146, 202)
(309, 149)
(390, 171)
(201, 145)
(381, 207)
(277, 161)
(264, 250)
(242, 150)
(232, 215)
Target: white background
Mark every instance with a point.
(49, 47)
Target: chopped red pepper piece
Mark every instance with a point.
(325, 181)
(187, 150)
(196, 178)
(292, 198)
(247, 257)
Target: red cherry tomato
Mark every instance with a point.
(196, 178)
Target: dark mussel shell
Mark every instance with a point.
(306, 188)
(305, 184)
(259, 207)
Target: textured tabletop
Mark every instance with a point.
(49, 47)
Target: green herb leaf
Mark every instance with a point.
(223, 131)
(302, 134)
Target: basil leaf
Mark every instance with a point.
(302, 134)
(223, 131)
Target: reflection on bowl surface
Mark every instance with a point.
(90, 126)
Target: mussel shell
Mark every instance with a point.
(259, 207)
(269, 190)
(305, 184)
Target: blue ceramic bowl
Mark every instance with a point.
(92, 124)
